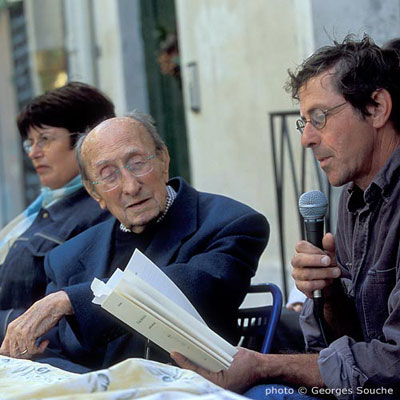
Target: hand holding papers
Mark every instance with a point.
(144, 298)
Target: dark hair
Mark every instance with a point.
(76, 107)
(392, 44)
(359, 68)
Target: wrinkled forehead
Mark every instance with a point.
(323, 82)
(113, 137)
(318, 92)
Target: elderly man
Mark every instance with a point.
(208, 245)
(350, 105)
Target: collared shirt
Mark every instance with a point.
(368, 252)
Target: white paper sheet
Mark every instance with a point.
(143, 267)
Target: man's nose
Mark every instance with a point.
(311, 136)
(129, 183)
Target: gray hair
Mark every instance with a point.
(78, 151)
(145, 119)
(148, 122)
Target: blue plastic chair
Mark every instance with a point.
(257, 325)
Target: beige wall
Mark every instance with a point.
(243, 50)
(79, 41)
(110, 57)
(94, 47)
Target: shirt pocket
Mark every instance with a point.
(377, 288)
(41, 243)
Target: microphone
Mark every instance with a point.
(312, 207)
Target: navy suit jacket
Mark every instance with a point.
(209, 245)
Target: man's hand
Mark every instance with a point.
(21, 335)
(242, 374)
(250, 368)
(298, 306)
(314, 268)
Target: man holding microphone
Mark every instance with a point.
(349, 96)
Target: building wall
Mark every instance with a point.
(11, 190)
(80, 42)
(45, 28)
(105, 49)
(334, 20)
(109, 52)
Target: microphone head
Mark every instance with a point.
(313, 205)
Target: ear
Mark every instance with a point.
(89, 188)
(164, 159)
(380, 113)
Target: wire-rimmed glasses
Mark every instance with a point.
(43, 142)
(318, 118)
(138, 165)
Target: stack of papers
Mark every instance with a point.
(144, 298)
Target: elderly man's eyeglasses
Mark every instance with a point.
(317, 119)
(137, 165)
(43, 142)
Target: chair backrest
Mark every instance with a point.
(257, 325)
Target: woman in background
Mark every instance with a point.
(49, 126)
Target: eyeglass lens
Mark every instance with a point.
(137, 166)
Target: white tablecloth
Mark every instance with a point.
(130, 379)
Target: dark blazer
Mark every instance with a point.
(209, 245)
(22, 277)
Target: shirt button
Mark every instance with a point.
(45, 215)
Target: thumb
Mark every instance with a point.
(43, 345)
(181, 360)
(328, 243)
(185, 363)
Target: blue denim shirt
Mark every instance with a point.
(367, 250)
(22, 276)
